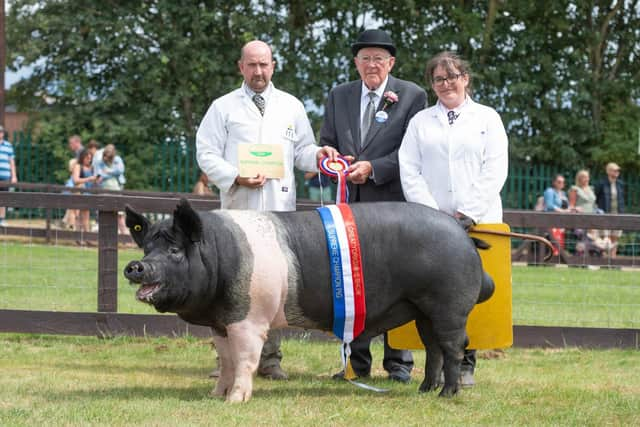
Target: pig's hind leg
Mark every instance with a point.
(433, 364)
(448, 332)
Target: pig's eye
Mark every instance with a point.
(174, 250)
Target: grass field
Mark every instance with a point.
(46, 380)
(57, 380)
(64, 278)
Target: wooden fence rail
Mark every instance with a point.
(107, 321)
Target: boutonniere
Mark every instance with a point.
(388, 98)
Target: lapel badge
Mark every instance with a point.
(381, 116)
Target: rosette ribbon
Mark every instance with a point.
(338, 170)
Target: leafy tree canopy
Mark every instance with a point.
(564, 75)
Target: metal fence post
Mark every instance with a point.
(107, 261)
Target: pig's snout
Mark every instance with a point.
(135, 271)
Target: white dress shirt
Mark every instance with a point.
(459, 167)
(364, 96)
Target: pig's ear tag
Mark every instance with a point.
(137, 228)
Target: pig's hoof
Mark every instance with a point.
(218, 392)
(428, 386)
(449, 391)
(238, 396)
(222, 388)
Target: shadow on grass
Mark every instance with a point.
(187, 394)
(201, 393)
(298, 385)
(159, 370)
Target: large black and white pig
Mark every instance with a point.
(245, 272)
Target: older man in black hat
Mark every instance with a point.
(366, 120)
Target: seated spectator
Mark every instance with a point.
(610, 198)
(592, 243)
(581, 195)
(555, 199)
(201, 188)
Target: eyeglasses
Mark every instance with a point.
(452, 78)
(378, 60)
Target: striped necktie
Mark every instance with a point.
(259, 101)
(367, 119)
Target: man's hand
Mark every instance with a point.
(359, 172)
(464, 221)
(328, 151)
(255, 182)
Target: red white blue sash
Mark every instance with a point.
(349, 308)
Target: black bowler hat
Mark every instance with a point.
(373, 38)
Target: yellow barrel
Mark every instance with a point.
(490, 324)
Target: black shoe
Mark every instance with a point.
(399, 375)
(273, 373)
(340, 375)
(466, 378)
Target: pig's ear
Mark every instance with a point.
(138, 225)
(187, 220)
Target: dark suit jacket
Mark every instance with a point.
(341, 130)
(603, 195)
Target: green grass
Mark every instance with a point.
(47, 380)
(576, 297)
(60, 278)
(57, 380)
(63, 278)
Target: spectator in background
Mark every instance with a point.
(109, 169)
(201, 188)
(610, 198)
(83, 177)
(96, 152)
(314, 181)
(7, 170)
(581, 196)
(582, 199)
(71, 215)
(555, 199)
(75, 145)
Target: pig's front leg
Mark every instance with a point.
(225, 382)
(245, 340)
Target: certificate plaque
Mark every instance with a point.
(265, 159)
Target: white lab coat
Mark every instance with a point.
(234, 119)
(456, 168)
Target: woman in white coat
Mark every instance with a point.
(454, 155)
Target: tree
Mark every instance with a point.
(563, 74)
(131, 73)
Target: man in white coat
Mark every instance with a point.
(257, 113)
